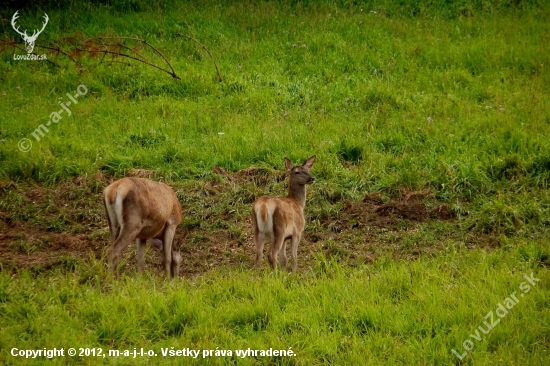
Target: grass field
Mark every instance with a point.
(430, 121)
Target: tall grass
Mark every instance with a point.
(419, 101)
(390, 312)
(390, 96)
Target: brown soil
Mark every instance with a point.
(373, 211)
(50, 227)
(258, 176)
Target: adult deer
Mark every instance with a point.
(282, 218)
(29, 40)
(141, 209)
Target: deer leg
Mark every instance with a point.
(124, 238)
(278, 241)
(114, 226)
(260, 239)
(176, 263)
(295, 241)
(140, 254)
(282, 255)
(169, 233)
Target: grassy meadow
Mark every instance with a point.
(430, 121)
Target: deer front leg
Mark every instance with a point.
(169, 233)
(176, 264)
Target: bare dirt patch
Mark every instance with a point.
(372, 210)
(258, 176)
(45, 227)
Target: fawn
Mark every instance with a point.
(282, 218)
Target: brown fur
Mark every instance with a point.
(281, 218)
(142, 209)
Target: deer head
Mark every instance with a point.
(29, 40)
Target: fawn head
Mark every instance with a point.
(300, 174)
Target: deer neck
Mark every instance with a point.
(298, 193)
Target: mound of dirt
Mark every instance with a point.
(414, 211)
(372, 210)
(140, 173)
(258, 176)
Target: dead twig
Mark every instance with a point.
(115, 53)
(98, 45)
(173, 72)
(207, 51)
(58, 50)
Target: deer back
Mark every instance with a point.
(279, 215)
(138, 200)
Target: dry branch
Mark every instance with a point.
(172, 72)
(207, 51)
(97, 45)
(103, 46)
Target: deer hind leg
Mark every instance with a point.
(140, 254)
(169, 233)
(126, 235)
(114, 226)
(294, 253)
(276, 246)
(260, 240)
(282, 255)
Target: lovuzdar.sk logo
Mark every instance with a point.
(29, 40)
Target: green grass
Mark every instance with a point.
(390, 312)
(392, 97)
(360, 92)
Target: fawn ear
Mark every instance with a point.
(309, 162)
(288, 164)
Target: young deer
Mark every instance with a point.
(282, 218)
(141, 209)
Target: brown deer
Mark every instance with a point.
(282, 218)
(141, 209)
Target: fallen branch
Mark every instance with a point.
(116, 53)
(172, 72)
(97, 45)
(207, 51)
(58, 50)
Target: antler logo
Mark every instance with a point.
(29, 40)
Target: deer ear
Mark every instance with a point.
(177, 246)
(156, 243)
(288, 164)
(309, 162)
